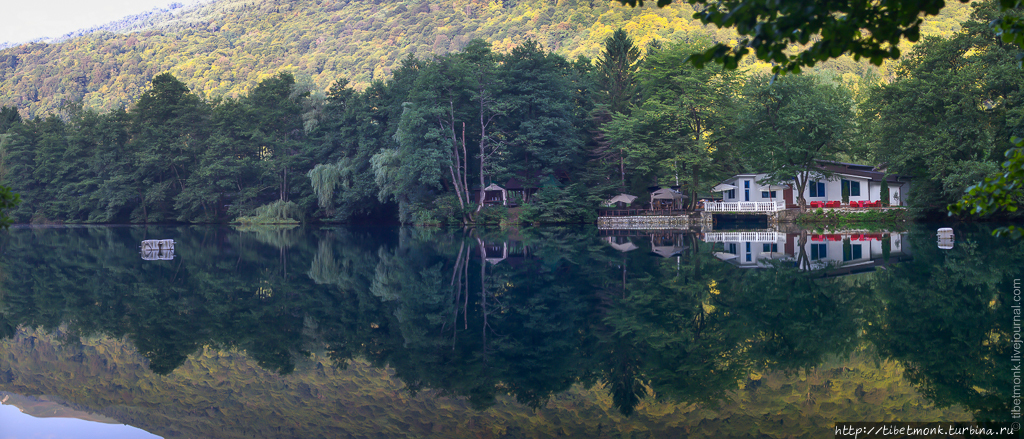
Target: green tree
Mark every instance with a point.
(615, 90)
(8, 200)
(542, 128)
(695, 110)
(615, 70)
(168, 128)
(947, 118)
(791, 123)
(999, 193)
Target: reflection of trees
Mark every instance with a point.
(559, 307)
(92, 281)
(703, 326)
(471, 328)
(945, 315)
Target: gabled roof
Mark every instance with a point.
(866, 171)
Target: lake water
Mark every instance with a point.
(539, 332)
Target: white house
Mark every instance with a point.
(864, 183)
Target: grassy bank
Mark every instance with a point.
(832, 217)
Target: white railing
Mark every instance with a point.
(745, 206)
(741, 237)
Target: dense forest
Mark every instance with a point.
(419, 146)
(225, 47)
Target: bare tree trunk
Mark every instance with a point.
(483, 144)
(622, 171)
(483, 148)
(465, 168)
(458, 168)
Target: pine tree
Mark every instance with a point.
(883, 193)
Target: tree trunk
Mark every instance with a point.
(696, 183)
(801, 182)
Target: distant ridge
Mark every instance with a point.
(132, 23)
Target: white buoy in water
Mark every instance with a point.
(946, 239)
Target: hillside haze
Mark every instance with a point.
(225, 47)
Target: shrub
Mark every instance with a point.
(492, 215)
(552, 205)
(278, 212)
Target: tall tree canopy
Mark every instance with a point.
(792, 122)
(948, 117)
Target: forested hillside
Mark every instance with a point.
(568, 134)
(224, 48)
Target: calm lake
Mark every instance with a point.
(539, 332)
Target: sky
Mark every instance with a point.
(17, 425)
(26, 20)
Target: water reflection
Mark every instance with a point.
(671, 316)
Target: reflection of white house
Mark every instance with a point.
(511, 251)
(748, 249)
(845, 253)
(863, 181)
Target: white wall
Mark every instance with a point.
(897, 191)
(834, 189)
(755, 189)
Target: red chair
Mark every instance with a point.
(835, 237)
(817, 238)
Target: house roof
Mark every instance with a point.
(852, 166)
(622, 198)
(667, 194)
(855, 170)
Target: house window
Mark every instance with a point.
(819, 251)
(817, 189)
(770, 248)
(852, 252)
(732, 248)
(852, 186)
(746, 184)
(766, 194)
(731, 194)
